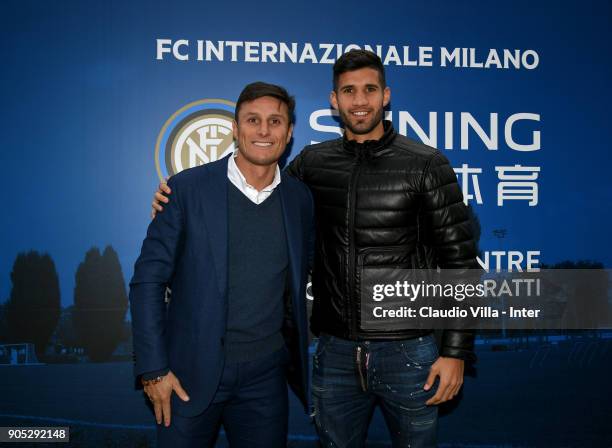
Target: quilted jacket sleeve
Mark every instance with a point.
(449, 231)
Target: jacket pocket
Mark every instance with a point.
(379, 269)
(403, 256)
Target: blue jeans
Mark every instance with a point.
(250, 402)
(351, 378)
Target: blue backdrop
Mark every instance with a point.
(84, 99)
(85, 95)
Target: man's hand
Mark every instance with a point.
(159, 198)
(160, 394)
(450, 371)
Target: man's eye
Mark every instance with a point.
(275, 121)
(372, 89)
(349, 90)
(252, 120)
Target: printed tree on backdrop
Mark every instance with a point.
(100, 303)
(66, 335)
(33, 309)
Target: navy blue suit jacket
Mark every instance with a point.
(186, 249)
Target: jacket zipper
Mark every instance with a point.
(351, 261)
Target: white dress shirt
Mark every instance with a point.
(237, 178)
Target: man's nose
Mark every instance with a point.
(360, 99)
(263, 129)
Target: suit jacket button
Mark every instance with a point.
(222, 342)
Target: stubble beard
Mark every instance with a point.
(346, 119)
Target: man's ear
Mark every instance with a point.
(235, 129)
(289, 134)
(333, 99)
(386, 96)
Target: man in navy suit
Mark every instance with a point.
(234, 247)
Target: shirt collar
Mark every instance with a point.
(237, 178)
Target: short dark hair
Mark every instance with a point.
(356, 59)
(260, 89)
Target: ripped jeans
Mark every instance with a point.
(350, 378)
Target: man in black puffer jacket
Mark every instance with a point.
(378, 197)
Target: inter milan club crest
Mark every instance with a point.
(198, 133)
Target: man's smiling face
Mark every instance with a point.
(262, 130)
(360, 99)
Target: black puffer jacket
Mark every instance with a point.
(367, 200)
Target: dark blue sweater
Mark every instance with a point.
(257, 274)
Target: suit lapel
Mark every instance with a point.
(215, 217)
(291, 216)
(295, 249)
